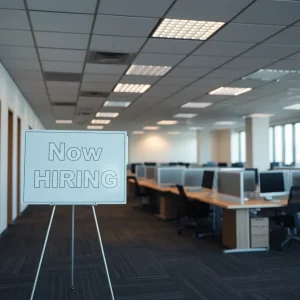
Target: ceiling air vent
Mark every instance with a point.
(62, 76)
(110, 58)
(94, 94)
(63, 104)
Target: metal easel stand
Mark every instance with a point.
(72, 251)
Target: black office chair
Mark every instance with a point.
(191, 212)
(143, 196)
(290, 217)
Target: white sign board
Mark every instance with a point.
(74, 167)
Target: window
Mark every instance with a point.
(271, 144)
(235, 155)
(278, 143)
(288, 144)
(242, 146)
(297, 143)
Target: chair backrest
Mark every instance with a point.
(183, 197)
(294, 200)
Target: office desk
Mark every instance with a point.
(236, 217)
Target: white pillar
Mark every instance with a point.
(203, 147)
(257, 143)
(221, 145)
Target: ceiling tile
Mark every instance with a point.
(62, 40)
(271, 51)
(286, 64)
(22, 65)
(16, 38)
(76, 6)
(176, 81)
(55, 66)
(61, 22)
(63, 99)
(14, 4)
(248, 83)
(211, 48)
(211, 98)
(101, 78)
(124, 26)
(211, 82)
(60, 92)
(288, 36)
(18, 53)
(295, 56)
(91, 101)
(252, 33)
(26, 75)
(116, 43)
(139, 79)
(105, 69)
(141, 8)
(169, 46)
(195, 61)
(249, 63)
(48, 54)
(270, 12)
(188, 72)
(52, 85)
(13, 19)
(63, 112)
(158, 59)
(212, 10)
(123, 96)
(97, 87)
(163, 91)
(228, 73)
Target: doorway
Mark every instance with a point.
(19, 167)
(10, 167)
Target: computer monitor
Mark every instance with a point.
(150, 164)
(271, 184)
(249, 181)
(208, 179)
(222, 164)
(256, 173)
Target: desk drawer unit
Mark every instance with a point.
(259, 232)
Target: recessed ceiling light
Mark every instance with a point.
(196, 105)
(187, 29)
(63, 121)
(131, 88)
(187, 116)
(293, 107)
(100, 121)
(173, 132)
(107, 115)
(229, 91)
(116, 104)
(167, 122)
(148, 70)
(269, 74)
(195, 128)
(225, 123)
(94, 127)
(260, 115)
(151, 127)
(137, 132)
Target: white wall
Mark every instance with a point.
(11, 98)
(204, 146)
(161, 147)
(221, 145)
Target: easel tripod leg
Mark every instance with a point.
(102, 250)
(73, 234)
(43, 252)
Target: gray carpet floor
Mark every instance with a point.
(146, 259)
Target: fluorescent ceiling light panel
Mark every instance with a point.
(107, 115)
(269, 74)
(137, 132)
(195, 128)
(293, 107)
(225, 123)
(187, 29)
(167, 122)
(229, 91)
(151, 127)
(63, 121)
(148, 70)
(187, 116)
(260, 115)
(116, 104)
(131, 88)
(196, 105)
(94, 127)
(100, 121)
(173, 132)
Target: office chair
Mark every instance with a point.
(141, 195)
(290, 218)
(191, 212)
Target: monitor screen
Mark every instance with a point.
(271, 182)
(208, 179)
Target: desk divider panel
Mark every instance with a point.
(231, 186)
(193, 177)
(140, 171)
(170, 176)
(295, 177)
(151, 173)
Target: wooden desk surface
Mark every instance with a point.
(215, 199)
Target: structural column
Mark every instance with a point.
(204, 149)
(257, 143)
